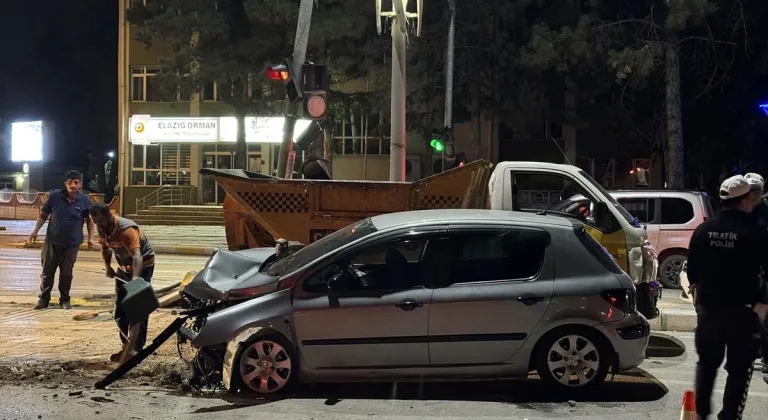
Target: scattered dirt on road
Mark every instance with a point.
(160, 372)
(51, 349)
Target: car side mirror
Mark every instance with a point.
(604, 220)
(336, 283)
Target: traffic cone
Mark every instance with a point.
(688, 412)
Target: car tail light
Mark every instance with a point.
(621, 299)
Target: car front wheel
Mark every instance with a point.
(267, 365)
(572, 358)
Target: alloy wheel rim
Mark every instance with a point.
(573, 360)
(672, 270)
(265, 367)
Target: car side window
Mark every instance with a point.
(644, 209)
(383, 266)
(500, 255)
(676, 211)
(558, 194)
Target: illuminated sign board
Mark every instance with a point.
(159, 130)
(260, 129)
(27, 141)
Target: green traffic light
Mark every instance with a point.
(437, 145)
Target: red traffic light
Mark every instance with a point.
(279, 73)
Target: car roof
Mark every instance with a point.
(671, 192)
(530, 165)
(465, 216)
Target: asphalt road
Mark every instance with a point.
(20, 272)
(655, 391)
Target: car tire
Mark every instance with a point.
(267, 357)
(671, 266)
(591, 357)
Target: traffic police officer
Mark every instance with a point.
(725, 257)
(760, 211)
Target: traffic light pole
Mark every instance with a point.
(299, 57)
(448, 121)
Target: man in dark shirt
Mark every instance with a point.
(761, 214)
(725, 259)
(68, 210)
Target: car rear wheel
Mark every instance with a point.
(669, 270)
(267, 365)
(572, 358)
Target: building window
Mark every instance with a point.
(145, 88)
(357, 135)
(165, 164)
(211, 91)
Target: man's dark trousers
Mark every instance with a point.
(122, 323)
(764, 350)
(57, 257)
(734, 330)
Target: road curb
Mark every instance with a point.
(203, 251)
(674, 320)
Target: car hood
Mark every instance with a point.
(228, 271)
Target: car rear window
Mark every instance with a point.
(598, 251)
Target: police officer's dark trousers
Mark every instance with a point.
(731, 333)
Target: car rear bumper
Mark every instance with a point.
(629, 338)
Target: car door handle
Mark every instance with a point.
(409, 305)
(529, 300)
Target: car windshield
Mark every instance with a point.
(321, 247)
(628, 217)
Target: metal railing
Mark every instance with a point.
(168, 195)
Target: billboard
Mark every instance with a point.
(27, 141)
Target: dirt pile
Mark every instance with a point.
(160, 372)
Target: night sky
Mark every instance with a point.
(60, 64)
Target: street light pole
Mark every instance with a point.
(398, 139)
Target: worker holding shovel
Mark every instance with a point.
(135, 258)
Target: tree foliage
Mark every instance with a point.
(515, 62)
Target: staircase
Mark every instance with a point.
(172, 205)
(168, 215)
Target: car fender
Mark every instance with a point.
(233, 349)
(272, 311)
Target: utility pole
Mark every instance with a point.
(299, 57)
(398, 140)
(448, 120)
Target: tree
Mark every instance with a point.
(651, 37)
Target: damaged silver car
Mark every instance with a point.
(426, 295)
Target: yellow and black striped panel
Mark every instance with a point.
(272, 202)
(426, 202)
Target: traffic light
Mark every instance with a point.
(312, 89)
(315, 87)
(284, 73)
(442, 143)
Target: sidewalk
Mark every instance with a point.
(182, 240)
(676, 314)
